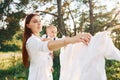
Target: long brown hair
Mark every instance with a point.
(27, 33)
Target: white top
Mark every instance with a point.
(56, 38)
(40, 63)
(45, 36)
(81, 62)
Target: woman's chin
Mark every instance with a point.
(40, 30)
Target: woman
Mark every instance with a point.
(36, 51)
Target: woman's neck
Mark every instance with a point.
(37, 34)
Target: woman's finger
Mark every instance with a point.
(83, 41)
(89, 35)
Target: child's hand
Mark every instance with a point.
(51, 54)
(52, 69)
(85, 38)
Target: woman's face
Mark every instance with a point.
(35, 24)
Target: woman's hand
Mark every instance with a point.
(85, 38)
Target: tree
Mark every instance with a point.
(60, 18)
(8, 30)
(91, 17)
(98, 18)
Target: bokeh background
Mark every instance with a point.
(69, 16)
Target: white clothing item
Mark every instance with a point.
(40, 63)
(81, 62)
(56, 38)
(45, 36)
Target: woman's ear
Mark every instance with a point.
(27, 25)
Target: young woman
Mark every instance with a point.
(36, 51)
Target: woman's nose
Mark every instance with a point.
(39, 23)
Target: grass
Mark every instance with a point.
(17, 72)
(9, 59)
(11, 67)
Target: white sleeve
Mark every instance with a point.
(111, 51)
(43, 36)
(37, 45)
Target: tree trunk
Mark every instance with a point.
(75, 30)
(91, 17)
(60, 19)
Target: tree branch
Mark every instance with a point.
(48, 13)
(109, 23)
(72, 18)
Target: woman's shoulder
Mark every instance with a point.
(33, 38)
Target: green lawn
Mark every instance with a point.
(11, 67)
(9, 59)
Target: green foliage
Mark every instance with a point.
(13, 44)
(18, 72)
(11, 37)
(7, 43)
(12, 68)
(116, 37)
(43, 30)
(56, 66)
(113, 70)
(15, 72)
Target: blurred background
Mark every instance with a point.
(69, 16)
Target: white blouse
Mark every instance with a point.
(82, 62)
(45, 36)
(40, 62)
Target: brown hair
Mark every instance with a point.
(27, 33)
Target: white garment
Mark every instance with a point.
(40, 63)
(56, 38)
(82, 62)
(45, 36)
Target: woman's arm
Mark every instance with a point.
(57, 44)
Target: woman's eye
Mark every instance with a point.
(34, 21)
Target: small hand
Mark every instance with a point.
(52, 69)
(84, 37)
(51, 54)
